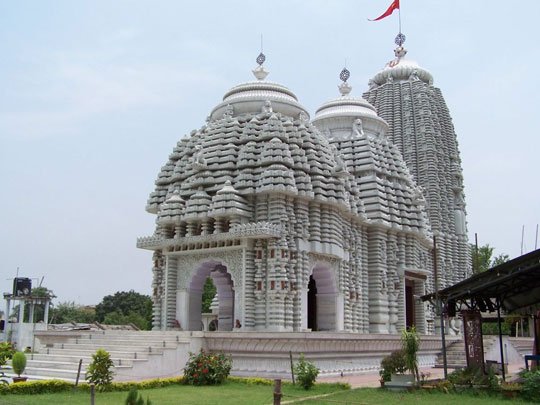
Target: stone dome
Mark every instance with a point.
(251, 96)
(401, 69)
(258, 140)
(387, 189)
(335, 118)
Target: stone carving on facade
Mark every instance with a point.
(229, 111)
(267, 107)
(231, 259)
(303, 116)
(199, 162)
(358, 128)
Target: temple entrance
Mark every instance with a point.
(312, 304)
(409, 304)
(223, 320)
(321, 300)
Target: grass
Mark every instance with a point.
(240, 393)
(233, 393)
(375, 396)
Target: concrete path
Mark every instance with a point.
(371, 379)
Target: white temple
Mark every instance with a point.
(322, 224)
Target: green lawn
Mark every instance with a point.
(227, 393)
(376, 396)
(239, 393)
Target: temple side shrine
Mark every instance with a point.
(302, 224)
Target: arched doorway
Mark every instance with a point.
(225, 296)
(322, 302)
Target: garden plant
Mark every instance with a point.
(100, 371)
(207, 368)
(306, 373)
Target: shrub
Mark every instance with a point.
(36, 387)
(134, 398)
(100, 371)
(394, 363)
(18, 363)
(531, 385)
(463, 376)
(6, 352)
(207, 368)
(306, 373)
(410, 342)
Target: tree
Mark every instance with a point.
(68, 311)
(126, 304)
(483, 261)
(209, 292)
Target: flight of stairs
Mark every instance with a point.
(130, 351)
(523, 345)
(455, 352)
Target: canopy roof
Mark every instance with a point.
(514, 285)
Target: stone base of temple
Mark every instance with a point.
(152, 354)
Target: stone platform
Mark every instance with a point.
(151, 354)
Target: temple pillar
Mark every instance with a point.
(182, 308)
(303, 296)
(340, 312)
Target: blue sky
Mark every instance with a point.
(95, 94)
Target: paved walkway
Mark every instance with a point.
(371, 378)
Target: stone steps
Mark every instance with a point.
(455, 353)
(74, 358)
(523, 345)
(59, 355)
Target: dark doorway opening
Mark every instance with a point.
(312, 304)
(409, 303)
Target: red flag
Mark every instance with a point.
(393, 6)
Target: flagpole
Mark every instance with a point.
(399, 17)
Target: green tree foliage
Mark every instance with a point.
(18, 363)
(6, 352)
(117, 318)
(126, 305)
(209, 292)
(306, 372)
(68, 311)
(484, 260)
(100, 371)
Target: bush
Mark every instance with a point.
(463, 376)
(99, 371)
(18, 363)
(393, 364)
(6, 352)
(306, 373)
(410, 342)
(36, 387)
(207, 368)
(134, 398)
(531, 385)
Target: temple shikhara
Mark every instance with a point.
(321, 223)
